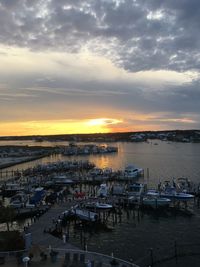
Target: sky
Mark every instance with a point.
(88, 66)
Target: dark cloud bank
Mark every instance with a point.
(136, 34)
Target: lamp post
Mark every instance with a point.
(113, 262)
(26, 260)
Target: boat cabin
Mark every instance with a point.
(136, 189)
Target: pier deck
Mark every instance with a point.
(43, 239)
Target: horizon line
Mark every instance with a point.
(100, 133)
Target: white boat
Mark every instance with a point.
(171, 193)
(135, 193)
(103, 191)
(18, 201)
(136, 189)
(132, 172)
(62, 180)
(177, 195)
(156, 201)
(85, 214)
(185, 185)
(98, 205)
(152, 192)
(103, 206)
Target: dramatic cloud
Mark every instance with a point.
(135, 34)
(133, 61)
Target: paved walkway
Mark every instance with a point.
(45, 222)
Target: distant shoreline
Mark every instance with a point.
(171, 135)
(61, 136)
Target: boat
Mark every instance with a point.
(103, 206)
(185, 185)
(156, 201)
(131, 171)
(136, 189)
(62, 180)
(18, 201)
(16, 204)
(11, 189)
(135, 193)
(98, 205)
(171, 193)
(79, 195)
(95, 171)
(38, 195)
(118, 189)
(103, 191)
(84, 214)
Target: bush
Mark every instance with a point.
(11, 241)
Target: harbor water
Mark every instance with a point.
(160, 160)
(132, 237)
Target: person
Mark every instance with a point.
(64, 238)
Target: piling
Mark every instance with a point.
(151, 256)
(175, 251)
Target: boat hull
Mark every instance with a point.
(156, 202)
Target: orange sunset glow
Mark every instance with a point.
(70, 67)
(99, 125)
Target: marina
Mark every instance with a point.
(111, 207)
(99, 133)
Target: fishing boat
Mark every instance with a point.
(171, 193)
(156, 201)
(131, 171)
(135, 193)
(103, 191)
(185, 185)
(84, 214)
(136, 189)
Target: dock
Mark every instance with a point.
(39, 230)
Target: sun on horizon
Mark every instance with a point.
(49, 127)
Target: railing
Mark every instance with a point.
(12, 253)
(96, 259)
(153, 257)
(12, 257)
(157, 256)
(66, 256)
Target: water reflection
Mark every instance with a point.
(163, 161)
